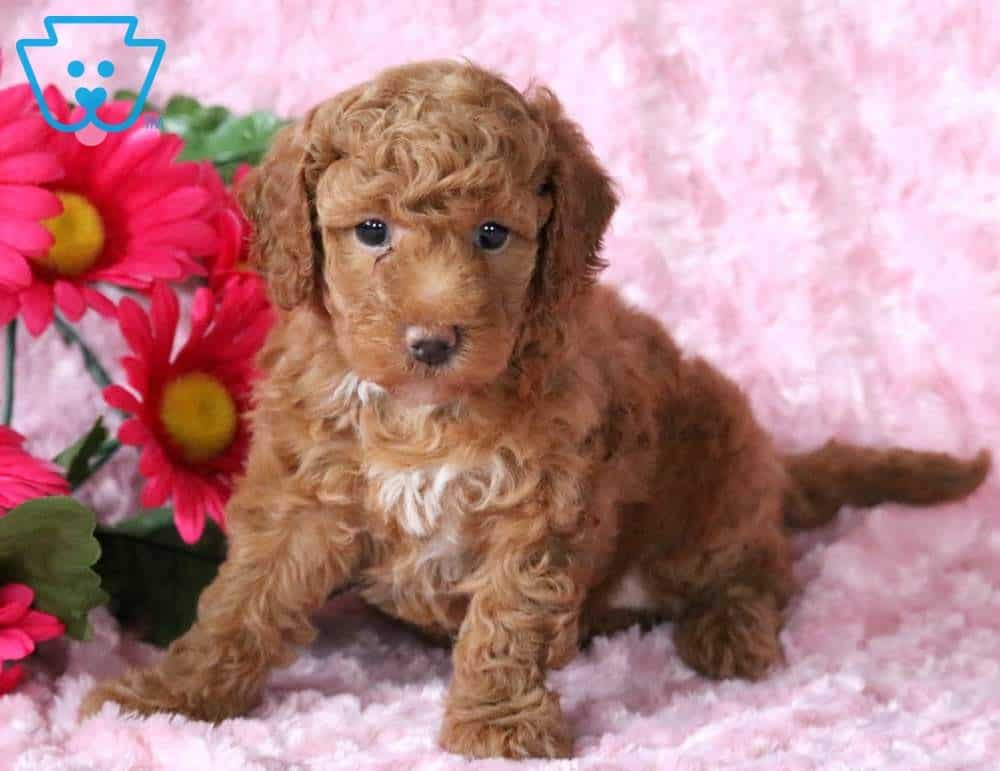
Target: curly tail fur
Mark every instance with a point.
(840, 474)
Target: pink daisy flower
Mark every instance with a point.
(20, 629)
(190, 408)
(25, 164)
(23, 477)
(232, 259)
(129, 215)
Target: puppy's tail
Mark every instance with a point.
(840, 474)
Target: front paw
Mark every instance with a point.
(538, 731)
(148, 691)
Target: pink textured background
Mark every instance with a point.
(810, 200)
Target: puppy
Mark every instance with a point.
(457, 419)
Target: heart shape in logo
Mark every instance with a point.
(91, 98)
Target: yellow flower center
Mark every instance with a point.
(78, 233)
(199, 415)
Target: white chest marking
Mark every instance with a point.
(420, 497)
(441, 557)
(351, 385)
(417, 497)
(630, 593)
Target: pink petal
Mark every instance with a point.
(15, 599)
(14, 269)
(163, 161)
(99, 302)
(157, 490)
(183, 202)
(57, 103)
(16, 99)
(134, 148)
(154, 189)
(29, 202)
(41, 626)
(188, 516)
(231, 240)
(240, 174)
(21, 134)
(9, 437)
(134, 324)
(36, 307)
(120, 399)
(70, 300)
(15, 644)
(153, 462)
(25, 236)
(137, 373)
(116, 112)
(30, 168)
(9, 306)
(249, 340)
(215, 506)
(163, 312)
(195, 236)
(202, 311)
(133, 432)
(139, 265)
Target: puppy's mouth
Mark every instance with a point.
(427, 386)
(434, 367)
(428, 371)
(427, 392)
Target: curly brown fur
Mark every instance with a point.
(567, 473)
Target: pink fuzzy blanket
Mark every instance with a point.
(811, 200)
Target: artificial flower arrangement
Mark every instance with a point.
(121, 230)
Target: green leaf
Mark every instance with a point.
(243, 139)
(185, 116)
(213, 133)
(209, 119)
(49, 544)
(147, 522)
(127, 95)
(181, 105)
(153, 577)
(228, 170)
(76, 458)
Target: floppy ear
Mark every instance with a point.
(278, 199)
(583, 201)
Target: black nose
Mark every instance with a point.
(432, 347)
(432, 350)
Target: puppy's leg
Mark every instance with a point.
(523, 618)
(732, 632)
(279, 571)
(725, 553)
(731, 625)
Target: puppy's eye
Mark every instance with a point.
(372, 233)
(491, 237)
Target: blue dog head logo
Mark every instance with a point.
(91, 92)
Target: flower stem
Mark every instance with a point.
(97, 372)
(8, 397)
(102, 456)
(100, 376)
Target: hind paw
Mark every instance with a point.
(735, 636)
